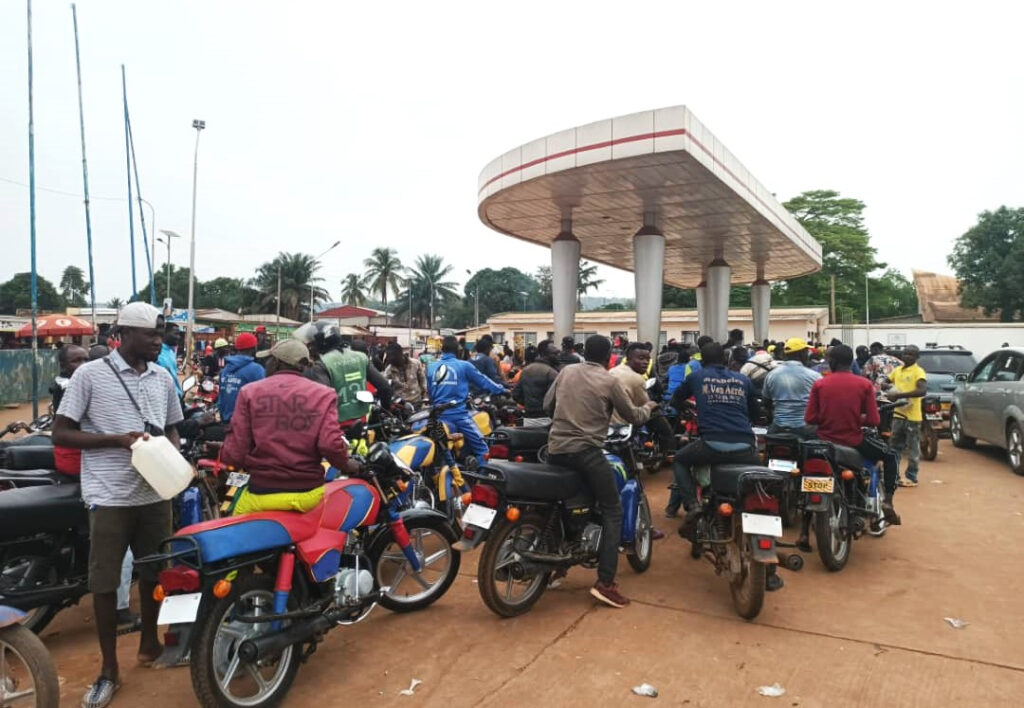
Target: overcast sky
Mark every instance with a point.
(370, 122)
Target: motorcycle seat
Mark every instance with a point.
(29, 457)
(729, 480)
(36, 439)
(238, 535)
(41, 508)
(848, 458)
(21, 478)
(538, 481)
(523, 438)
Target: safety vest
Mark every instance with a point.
(348, 375)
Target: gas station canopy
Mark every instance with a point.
(607, 175)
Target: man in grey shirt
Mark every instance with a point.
(108, 405)
(580, 403)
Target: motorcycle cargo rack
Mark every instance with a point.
(192, 557)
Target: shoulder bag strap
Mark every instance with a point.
(131, 398)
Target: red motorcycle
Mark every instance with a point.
(261, 590)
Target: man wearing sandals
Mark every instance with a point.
(108, 405)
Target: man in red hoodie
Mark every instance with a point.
(282, 427)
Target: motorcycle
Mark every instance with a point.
(782, 452)
(27, 673)
(259, 591)
(535, 520)
(430, 455)
(932, 426)
(739, 530)
(845, 493)
(44, 550)
(519, 444)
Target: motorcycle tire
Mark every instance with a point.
(789, 508)
(18, 641)
(834, 554)
(206, 652)
(643, 543)
(418, 529)
(748, 586)
(929, 442)
(495, 558)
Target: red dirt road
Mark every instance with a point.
(872, 634)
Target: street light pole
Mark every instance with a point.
(199, 125)
(333, 246)
(431, 305)
(476, 301)
(277, 324)
(169, 235)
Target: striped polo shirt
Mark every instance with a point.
(98, 403)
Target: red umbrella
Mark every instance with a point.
(58, 326)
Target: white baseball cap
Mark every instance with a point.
(139, 314)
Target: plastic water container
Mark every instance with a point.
(160, 464)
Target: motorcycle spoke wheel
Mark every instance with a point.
(506, 583)
(409, 589)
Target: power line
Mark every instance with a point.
(58, 191)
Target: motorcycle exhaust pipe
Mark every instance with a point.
(272, 644)
(790, 561)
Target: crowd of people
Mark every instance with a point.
(287, 407)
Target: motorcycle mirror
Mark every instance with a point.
(188, 384)
(960, 378)
(207, 385)
(364, 396)
(650, 383)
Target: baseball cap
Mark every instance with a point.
(245, 341)
(261, 328)
(794, 345)
(290, 351)
(221, 342)
(139, 314)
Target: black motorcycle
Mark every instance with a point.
(536, 520)
(44, 550)
(739, 529)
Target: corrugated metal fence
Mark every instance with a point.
(16, 374)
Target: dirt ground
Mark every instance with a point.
(873, 634)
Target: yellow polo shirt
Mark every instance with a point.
(904, 379)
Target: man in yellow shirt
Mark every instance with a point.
(907, 383)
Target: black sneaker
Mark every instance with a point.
(690, 522)
(773, 582)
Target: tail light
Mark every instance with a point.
(485, 495)
(499, 452)
(179, 579)
(782, 452)
(932, 406)
(817, 467)
(758, 502)
(765, 544)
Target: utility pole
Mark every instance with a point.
(85, 174)
(32, 225)
(832, 288)
(199, 125)
(277, 327)
(867, 311)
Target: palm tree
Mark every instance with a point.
(73, 286)
(426, 279)
(116, 303)
(586, 280)
(383, 273)
(353, 289)
(297, 280)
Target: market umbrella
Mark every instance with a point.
(58, 326)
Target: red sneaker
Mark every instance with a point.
(609, 594)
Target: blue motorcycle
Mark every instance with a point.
(535, 521)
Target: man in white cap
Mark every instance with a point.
(108, 405)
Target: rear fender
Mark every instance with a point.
(822, 505)
(10, 616)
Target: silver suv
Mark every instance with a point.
(988, 405)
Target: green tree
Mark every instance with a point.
(232, 294)
(116, 303)
(353, 289)
(425, 280)
(838, 225)
(73, 286)
(989, 259)
(179, 288)
(383, 273)
(586, 281)
(298, 284)
(16, 294)
(543, 278)
(500, 291)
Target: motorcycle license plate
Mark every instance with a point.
(238, 479)
(480, 516)
(179, 609)
(820, 485)
(782, 465)
(762, 525)
(934, 416)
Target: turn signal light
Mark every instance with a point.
(848, 475)
(649, 444)
(795, 472)
(725, 509)
(512, 514)
(765, 544)
(402, 485)
(221, 589)
(159, 594)
(467, 498)
(519, 458)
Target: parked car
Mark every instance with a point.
(988, 405)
